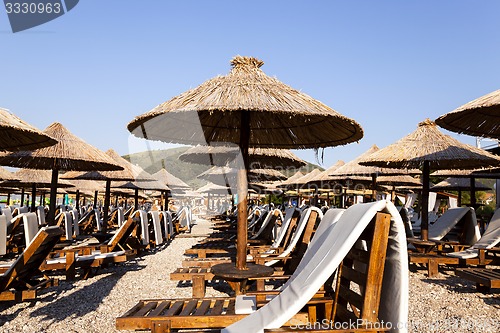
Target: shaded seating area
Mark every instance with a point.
(339, 249)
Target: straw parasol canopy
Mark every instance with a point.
(458, 184)
(261, 158)
(324, 176)
(480, 117)
(6, 175)
(70, 153)
(250, 109)
(214, 188)
(291, 180)
(17, 135)
(227, 175)
(169, 180)
(428, 148)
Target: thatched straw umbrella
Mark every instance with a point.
(480, 117)
(259, 158)
(128, 172)
(86, 187)
(353, 168)
(429, 149)
(398, 180)
(174, 183)
(70, 153)
(142, 185)
(461, 184)
(250, 109)
(7, 175)
(17, 135)
(323, 179)
(34, 178)
(227, 176)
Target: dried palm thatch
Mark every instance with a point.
(213, 188)
(142, 185)
(480, 117)
(492, 173)
(170, 180)
(278, 115)
(87, 185)
(353, 168)
(291, 180)
(39, 178)
(306, 178)
(401, 180)
(324, 176)
(223, 175)
(17, 135)
(458, 184)
(427, 143)
(6, 175)
(70, 153)
(262, 158)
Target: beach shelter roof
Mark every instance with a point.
(324, 176)
(291, 179)
(214, 188)
(480, 117)
(142, 185)
(6, 174)
(306, 178)
(170, 180)
(458, 184)
(223, 175)
(37, 177)
(250, 109)
(427, 143)
(261, 158)
(16, 134)
(69, 153)
(399, 180)
(430, 149)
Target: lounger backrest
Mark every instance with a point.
(267, 225)
(168, 225)
(121, 216)
(8, 215)
(290, 214)
(3, 235)
(40, 214)
(120, 237)
(453, 223)
(143, 215)
(68, 225)
(405, 216)
(330, 250)
(98, 220)
(182, 217)
(155, 218)
(28, 262)
(30, 222)
(305, 229)
(76, 218)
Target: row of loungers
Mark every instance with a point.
(46, 250)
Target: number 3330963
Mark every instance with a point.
(32, 8)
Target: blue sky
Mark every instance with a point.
(386, 64)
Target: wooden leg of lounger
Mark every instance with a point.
(432, 267)
(160, 326)
(70, 265)
(199, 285)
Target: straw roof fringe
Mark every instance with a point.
(6, 175)
(70, 153)
(280, 116)
(427, 143)
(17, 135)
(457, 184)
(258, 157)
(170, 180)
(480, 117)
(40, 178)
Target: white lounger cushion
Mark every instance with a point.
(30, 222)
(95, 255)
(450, 218)
(329, 250)
(490, 238)
(144, 227)
(155, 216)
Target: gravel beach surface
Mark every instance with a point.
(442, 304)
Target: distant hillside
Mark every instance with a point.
(152, 161)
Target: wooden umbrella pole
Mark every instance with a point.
(166, 201)
(241, 242)
(22, 197)
(425, 202)
(107, 197)
(33, 197)
(77, 199)
(374, 187)
(96, 193)
(136, 198)
(473, 192)
(53, 197)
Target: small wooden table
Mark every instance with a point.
(238, 278)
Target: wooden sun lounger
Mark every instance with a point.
(17, 283)
(340, 302)
(485, 278)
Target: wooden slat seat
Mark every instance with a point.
(485, 278)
